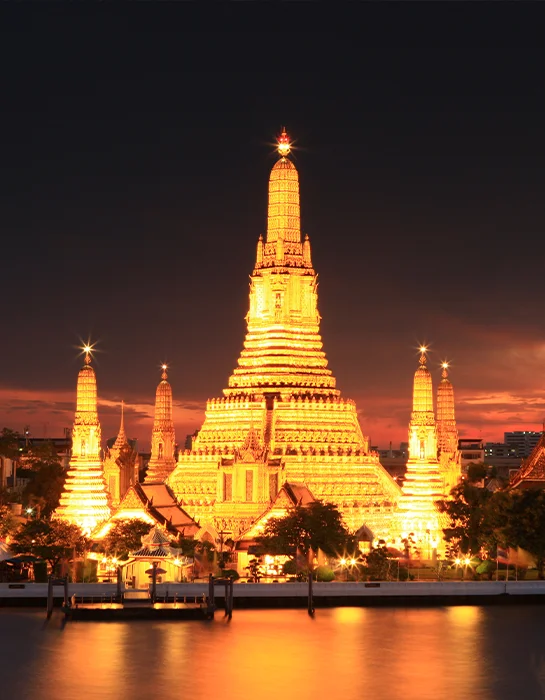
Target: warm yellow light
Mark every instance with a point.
(164, 366)
(457, 562)
(445, 365)
(343, 562)
(467, 562)
(177, 561)
(284, 145)
(423, 348)
(352, 561)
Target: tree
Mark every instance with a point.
(305, 528)
(467, 531)
(34, 457)
(125, 536)
(255, 571)
(51, 540)
(378, 563)
(476, 472)
(9, 443)
(44, 489)
(518, 520)
(8, 522)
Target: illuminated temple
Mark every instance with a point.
(433, 467)
(120, 465)
(163, 439)
(85, 500)
(281, 418)
(447, 433)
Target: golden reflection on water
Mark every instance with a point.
(349, 653)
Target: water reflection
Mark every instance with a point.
(415, 654)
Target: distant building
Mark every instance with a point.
(395, 461)
(498, 450)
(62, 445)
(471, 450)
(522, 441)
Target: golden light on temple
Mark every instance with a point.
(84, 500)
(87, 349)
(423, 484)
(284, 144)
(281, 419)
(163, 440)
(445, 365)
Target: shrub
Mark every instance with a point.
(289, 567)
(324, 573)
(230, 573)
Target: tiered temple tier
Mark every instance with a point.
(84, 500)
(304, 425)
(283, 216)
(158, 470)
(423, 486)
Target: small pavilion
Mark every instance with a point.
(172, 566)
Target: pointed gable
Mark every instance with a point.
(532, 471)
(155, 504)
(289, 496)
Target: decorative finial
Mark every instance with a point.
(445, 367)
(164, 375)
(284, 145)
(87, 349)
(423, 350)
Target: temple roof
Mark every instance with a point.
(156, 536)
(532, 470)
(150, 552)
(288, 496)
(154, 502)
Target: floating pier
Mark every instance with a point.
(144, 604)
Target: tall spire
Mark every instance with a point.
(284, 219)
(423, 484)
(120, 469)
(163, 441)
(283, 348)
(447, 434)
(84, 500)
(422, 389)
(121, 439)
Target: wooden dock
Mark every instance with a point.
(145, 604)
(139, 611)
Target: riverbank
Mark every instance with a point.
(295, 595)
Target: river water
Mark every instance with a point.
(491, 653)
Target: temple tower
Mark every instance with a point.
(84, 500)
(281, 418)
(423, 484)
(120, 470)
(163, 440)
(282, 353)
(447, 433)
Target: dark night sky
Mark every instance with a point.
(135, 153)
